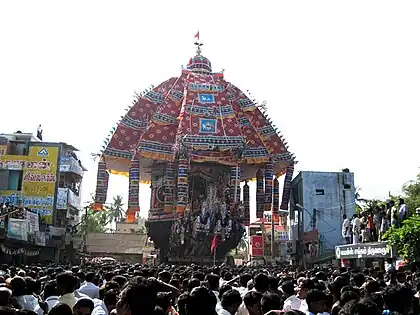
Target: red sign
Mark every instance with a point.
(257, 245)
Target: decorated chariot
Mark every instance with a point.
(198, 141)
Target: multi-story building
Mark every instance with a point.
(319, 200)
(45, 177)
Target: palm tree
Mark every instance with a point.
(115, 210)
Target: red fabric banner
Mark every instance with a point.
(257, 245)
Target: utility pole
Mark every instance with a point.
(273, 247)
(313, 227)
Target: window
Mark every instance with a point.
(18, 148)
(15, 180)
(319, 192)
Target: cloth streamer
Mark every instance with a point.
(133, 189)
(182, 186)
(102, 179)
(260, 194)
(247, 212)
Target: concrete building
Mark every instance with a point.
(318, 202)
(45, 177)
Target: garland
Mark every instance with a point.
(19, 251)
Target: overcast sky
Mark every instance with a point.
(341, 78)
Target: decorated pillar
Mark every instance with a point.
(235, 187)
(102, 179)
(276, 200)
(260, 194)
(169, 187)
(182, 185)
(247, 212)
(268, 178)
(133, 189)
(287, 187)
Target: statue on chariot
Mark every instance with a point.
(197, 140)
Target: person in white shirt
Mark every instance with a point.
(316, 300)
(230, 301)
(89, 288)
(50, 294)
(356, 229)
(345, 229)
(65, 287)
(298, 302)
(402, 211)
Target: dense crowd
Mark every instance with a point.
(372, 224)
(123, 289)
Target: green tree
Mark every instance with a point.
(411, 194)
(406, 238)
(92, 222)
(115, 210)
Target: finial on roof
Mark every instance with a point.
(198, 43)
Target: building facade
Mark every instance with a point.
(44, 177)
(318, 202)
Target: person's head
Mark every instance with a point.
(83, 307)
(231, 300)
(304, 286)
(401, 201)
(90, 277)
(358, 279)
(288, 288)
(270, 302)
(336, 286)
(5, 296)
(344, 216)
(252, 301)
(316, 301)
(65, 283)
(111, 299)
(165, 276)
(391, 203)
(397, 298)
(60, 309)
(201, 301)
(182, 302)
(366, 307)
(261, 282)
(137, 297)
(244, 278)
(163, 300)
(213, 281)
(193, 283)
(18, 285)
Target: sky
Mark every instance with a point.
(341, 78)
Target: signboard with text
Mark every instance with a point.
(257, 245)
(39, 172)
(363, 250)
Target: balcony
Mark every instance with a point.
(69, 164)
(66, 197)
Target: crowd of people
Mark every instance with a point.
(371, 225)
(123, 289)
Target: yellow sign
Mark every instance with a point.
(39, 172)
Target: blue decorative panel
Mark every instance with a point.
(208, 125)
(206, 98)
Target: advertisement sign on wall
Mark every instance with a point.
(38, 178)
(32, 220)
(16, 229)
(257, 245)
(365, 250)
(62, 198)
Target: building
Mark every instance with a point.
(319, 200)
(139, 226)
(45, 177)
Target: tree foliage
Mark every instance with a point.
(98, 221)
(406, 238)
